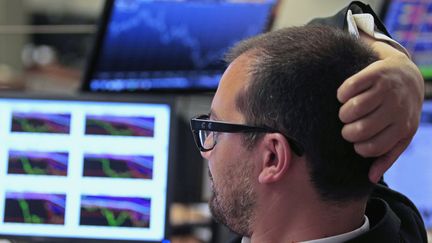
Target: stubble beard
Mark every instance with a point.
(233, 202)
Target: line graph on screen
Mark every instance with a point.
(36, 122)
(34, 208)
(38, 163)
(118, 166)
(115, 211)
(119, 125)
(198, 34)
(169, 34)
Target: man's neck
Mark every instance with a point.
(306, 221)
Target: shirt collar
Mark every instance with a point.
(337, 238)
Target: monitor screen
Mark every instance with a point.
(158, 45)
(412, 172)
(84, 168)
(410, 23)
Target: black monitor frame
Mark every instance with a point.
(96, 49)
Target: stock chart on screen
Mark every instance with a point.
(118, 166)
(171, 45)
(85, 168)
(115, 211)
(34, 208)
(410, 23)
(37, 163)
(34, 122)
(119, 125)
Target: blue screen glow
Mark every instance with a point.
(173, 44)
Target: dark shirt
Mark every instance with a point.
(392, 217)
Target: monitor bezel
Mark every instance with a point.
(96, 47)
(119, 98)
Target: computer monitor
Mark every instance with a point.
(409, 22)
(412, 172)
(85, 168)
(170, 46)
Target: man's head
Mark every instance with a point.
(285, 81)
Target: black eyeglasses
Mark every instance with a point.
(204, 131)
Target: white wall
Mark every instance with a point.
(82, 7)
(11, 13)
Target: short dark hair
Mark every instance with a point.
(293, 84)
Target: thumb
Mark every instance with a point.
(384, 162)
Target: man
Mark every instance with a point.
(280, 169)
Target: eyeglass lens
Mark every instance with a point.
(207, 139)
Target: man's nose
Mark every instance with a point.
(206, 154)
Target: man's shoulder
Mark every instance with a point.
(393, 218)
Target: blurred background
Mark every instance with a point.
(45, 47)
(44, 44)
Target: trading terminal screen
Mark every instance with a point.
(84, 169)
(150, 45)
(410, 23)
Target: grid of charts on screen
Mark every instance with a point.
(84, 169)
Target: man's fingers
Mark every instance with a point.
(367, 127)
(361, 105)
(380, 144)
(359, 82)
(379, 167)
(384, 162)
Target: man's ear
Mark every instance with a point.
(276, 156)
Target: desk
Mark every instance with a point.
(191, 223)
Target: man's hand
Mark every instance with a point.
(382, 106)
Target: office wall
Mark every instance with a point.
(11, 13)
(83, 7)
